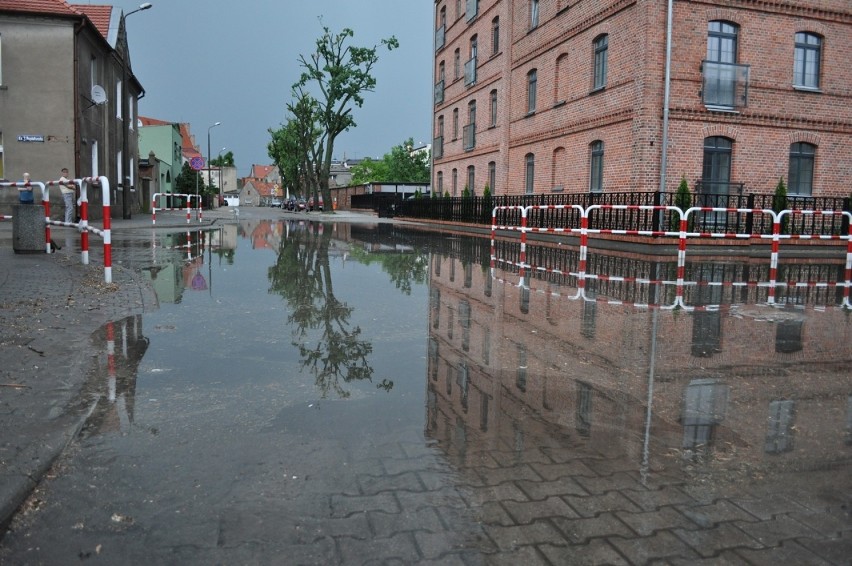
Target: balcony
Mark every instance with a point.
(469, 137)
(724, 85)
(439, 92)
(438, 147)
(470, 72)
(471, 8)
(440, 35)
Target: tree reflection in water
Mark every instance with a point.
(329, 347)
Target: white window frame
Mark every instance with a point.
(119, 96)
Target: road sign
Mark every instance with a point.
(197, 163)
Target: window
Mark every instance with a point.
(471, 9)
(495, 36)
(530, 173)
(441, 71)
(130, 111)
(455, 123)
(119, 168)
(456, 64)
(494, 108)
(806, 61)
(93, 71)
(442, 17)
(532, 81)
(470, 64)
(455, 182)
(533, 14)
(703, 409)
(720, 71)
(801, 173)
(601, 45)
(715, 178)
(596, 169)
(119, 96)
(471, 178)
(583, 420)
(1, 69)
(440, 183)
(469, 133)
(474, 44)
(788, 336)
(2, 168)
(95, 157)
(492, 176)
(458, 9)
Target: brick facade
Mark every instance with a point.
(626, 114)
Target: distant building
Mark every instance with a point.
(164, 140)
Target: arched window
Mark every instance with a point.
(807, 60)
(495, 36)
(494, 108)
(492, 176)
(532, 85)
(801, 173)
(471, 179)
(440, 183)
(529, 182)
(596, 167)
(601, 46)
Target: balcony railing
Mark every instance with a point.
(439, 92)
(724, 85)
(438, 147)
(470, 72)
(469, 137)
(440, 35)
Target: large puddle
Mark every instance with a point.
(335, 393)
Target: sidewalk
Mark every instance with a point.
(50, 304)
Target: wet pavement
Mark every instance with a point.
(362, 393)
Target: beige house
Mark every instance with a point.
(68, 98)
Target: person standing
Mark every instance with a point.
(66, 187)
(25, 193)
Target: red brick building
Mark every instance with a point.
(555, 96)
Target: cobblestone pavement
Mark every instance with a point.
(531, 497)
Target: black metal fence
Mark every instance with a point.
(477, 210)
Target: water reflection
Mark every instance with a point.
(742, 390)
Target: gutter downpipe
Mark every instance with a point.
(77, 133)
(664, 160)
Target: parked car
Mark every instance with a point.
(301, 205)
(311, 204)
(276, 203)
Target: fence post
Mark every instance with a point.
(844, 226)
(659, 214)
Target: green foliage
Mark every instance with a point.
(294, 147)
(401, 165)
(683, 200)
(779, 203)
(417, 194)
(466, 192)
(189, 181)
(226, 160)
(486, 192)
(446, 194)
(342, 74)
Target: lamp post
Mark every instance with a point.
(209, 171)
(221, 172)
(126, 173)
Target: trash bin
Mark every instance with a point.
(28, 229)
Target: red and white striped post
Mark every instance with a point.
(107, 230)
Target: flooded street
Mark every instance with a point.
(334, 393)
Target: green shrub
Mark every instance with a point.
(779, 203)
(682, 200)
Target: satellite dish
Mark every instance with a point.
(98, 95)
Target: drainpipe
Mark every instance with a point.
(664, 159)
(77, 133)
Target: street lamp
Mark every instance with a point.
(126, 173)
(209, 171)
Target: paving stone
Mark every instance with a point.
(496, 476)
(436, 479)
(772, 532)
(526, 555)
(454, 545)
(371, 485)
(789, 552)
(650, 500)
(528, 512)
(726, 558)
(564, 470)
(835, 551)
(445, 497)
(538, 490)
(593, 505)
(771, 505)
(663, 545)
(598, 551)
(381, 550)
(579, 531)
(345, 505)
(721, 511)
(528, 456)
(395, 466)
(829, 524)
(647, 523)
(476, 496)
(512, 538)
(725, 536)
(388, 524)
(493, 513)
(614, 482)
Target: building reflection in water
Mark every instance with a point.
(519, 364)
